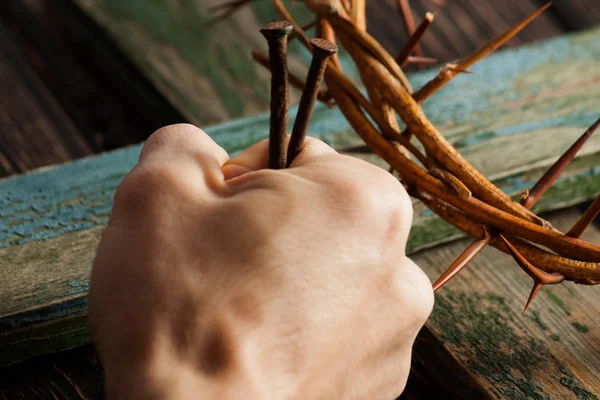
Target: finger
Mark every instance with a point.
(185, 145)
(413, 290)
(256, 157)
(252, 159)
(313, 148)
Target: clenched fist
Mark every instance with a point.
(221, 279)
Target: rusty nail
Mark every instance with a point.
(276, 35)
(322, 50)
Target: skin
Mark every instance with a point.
(221, 279)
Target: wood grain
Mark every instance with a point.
(460, 26)
(34, 130)
(577, 14)
(108, 100)
(186, 59)
(531, 116)
(552, 351)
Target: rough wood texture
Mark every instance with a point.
(108, 100)
(34, 130)
(550, 352)
(577, 14)
(51, 220)
(72, 375)
(460, 26)
(207, 73)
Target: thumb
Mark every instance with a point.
(256, 157)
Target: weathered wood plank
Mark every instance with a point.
(34, 130)
(186, 58)
(109, 102)
(72, 375)
(541, 109)
(550, 352)
(460, 27)
(577, 14)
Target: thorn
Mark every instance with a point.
(503, 38)
(458, 69)
(522, 196)
(586, 219)
(413, 41)
(555, 170)
(420, 60)
(461, 262)
(445, 76)
(539, 276)
(534, 290)
(409, 21)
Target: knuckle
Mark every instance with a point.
(178, 133)
(169, 132)
(413, 290)
(377, 191)
(141, 187)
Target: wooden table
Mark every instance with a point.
(478, 342)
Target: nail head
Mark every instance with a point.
(324, 46)
(277, 30)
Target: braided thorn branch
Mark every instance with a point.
(375, 74)
(413, 41)
(447, 74)
(540, 278)
(358, 14)
(470, 215)
(586, 219)
(582, 272)
(476, 209)
(528, 199)
(461, 262)
(550, 176)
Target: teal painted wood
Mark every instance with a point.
(511, 119)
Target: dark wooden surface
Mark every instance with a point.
(34, 130)
(67, 92)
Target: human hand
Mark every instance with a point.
(222, 279)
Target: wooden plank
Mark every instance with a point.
(110, 103)
(73, 374)
(206, 71)
(460, 26)
(578, 14)
(545, 107)
(550, 352)
(34, 130)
